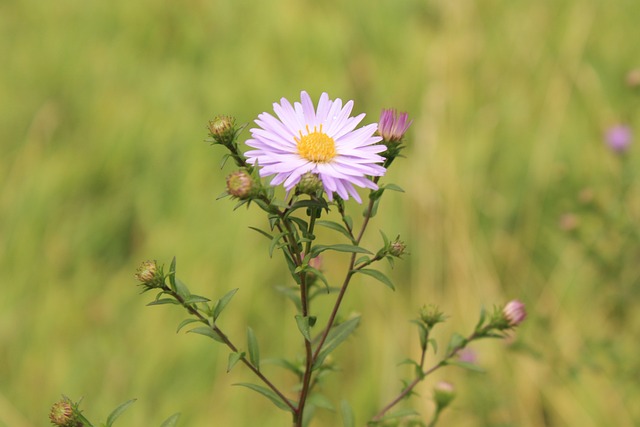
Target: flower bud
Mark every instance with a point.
(443, 394)
(393, 126)
(240, 184)
(633, 78)
(222, 129)
(397, 248)
(431, 315)
(61, 414)
(514, 313)
(310, 183)
(147, 273)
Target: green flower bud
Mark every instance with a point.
(222, 129)
(431, 315)
(397, 248)
(147, 272)
(310, 183)
(443, 394)
(240, 184)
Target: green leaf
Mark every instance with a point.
(483, 316)
(283, 363)
(264, 233)
(348, 221)
(376, 275)
(316, 250)
(335, 338)
(207, 332)
(348, 420)
(303, 326)
(254, 351)
(192, 299)
(118, 411)
(164, 301)
(434, 344)
(269, 394)
(456, 342)
(172, 421)
(393, 187)
(182, 290)
(185, 322)
(466, 365)
(275, 242)
(234, 358)
(222, 303)
(336, 227)
(402, 413)
(172, 274)
(321, 401)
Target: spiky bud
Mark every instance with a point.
(397, 248)
(222, 129)
(61, 414)
(310, 183)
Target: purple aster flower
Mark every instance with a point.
(393, 126)
(618, 138)
(321, 141)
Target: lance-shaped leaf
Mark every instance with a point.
(348, 420)
(172, 421)
(465, 365)
(376, 275)
(234, 357)
(336, 227)
(264, 233)
(186, 322)
(269, 394)
(335, 338)
(118, 411)
(222, 303)
(304, 326)
(172, 274)
(254, 351)
(207, 332)
(316, 250)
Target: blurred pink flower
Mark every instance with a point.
(618, 138)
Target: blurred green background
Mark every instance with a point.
(510, 193)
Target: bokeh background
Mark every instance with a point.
(511, 192)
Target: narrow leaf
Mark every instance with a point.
(264, 233)
(393, 187)
(172, 274)
(254, 351)
(186, 322)
(456, 342)
(234, 357)
(321, 401)
(269, 394)
(222, 303)
(335, 338)
(376, 275)
(163, 301)
(340, 248)
(118, 411)
(207, 332)
(192, 299)
(303, 326)
(348, 420)
(336, 227)
(172, 421)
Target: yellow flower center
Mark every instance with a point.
(316, 146)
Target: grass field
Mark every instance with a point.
(510, 193)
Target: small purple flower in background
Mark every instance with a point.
(393, 126)
(468, 355)
(618, 138)
(322, 141)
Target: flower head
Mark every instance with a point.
(393, 126)
(320, 140)
(443, 394)
(222, 129)
(61, 413)
(618, 138)
(514, 313)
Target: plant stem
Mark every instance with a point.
(194, 311)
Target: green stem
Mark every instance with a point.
(194, 311)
